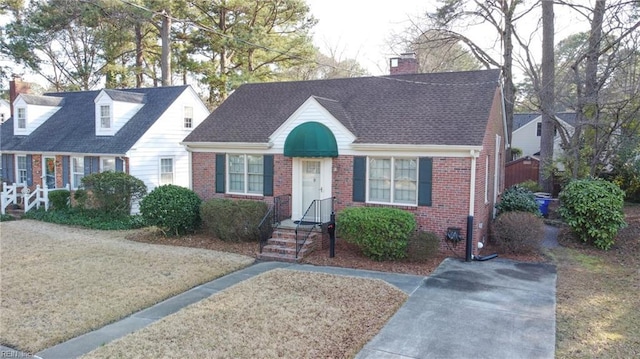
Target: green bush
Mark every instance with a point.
(532, 186)
(422, 246)
(59, 199)
(6, 217)
(518, 232)
(593, 210)
(113, 191)
(517, 198)
(233, 221)
(89, 218)
(171, 208)
(381, 233)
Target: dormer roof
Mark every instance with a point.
(42, 100)
(125, 96)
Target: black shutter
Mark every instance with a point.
(66, 172)
(95, 164)
(267, 185)
(119, 165)
(359, 178)
(220, 166)
(8, 171)
(425, 181)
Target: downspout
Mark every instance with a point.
(472, 200)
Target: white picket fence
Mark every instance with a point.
(19, 191)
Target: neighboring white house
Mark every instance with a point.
(527, 130)
(58, 138)
(5, 110)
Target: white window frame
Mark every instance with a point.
(245, 173)
(21, 118)
(21, 172)
(188, 117)
(76, 183)
(104, 168)
(105, 117)
(392, 200)
(161, 173)
(486, 179)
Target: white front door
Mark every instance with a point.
(311, 181)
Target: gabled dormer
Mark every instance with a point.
(114, 108)
(31, 111)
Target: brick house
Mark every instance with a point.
(56, 139)
(431, 144)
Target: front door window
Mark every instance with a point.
(50, 172)
(311, 184)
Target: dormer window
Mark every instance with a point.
(105, 116)
(188, 117)
(22, 117)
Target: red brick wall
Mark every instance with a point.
(203, 166)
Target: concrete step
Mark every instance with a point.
(277, 257)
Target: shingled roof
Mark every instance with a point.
(521, 119)
(439, 108)
(72, 127)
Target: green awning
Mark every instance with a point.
(311, 139)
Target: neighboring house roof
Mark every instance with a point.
(521, 119)
(438, 108)
(72, 127)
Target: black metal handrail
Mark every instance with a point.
(279, 210)
(318, 213)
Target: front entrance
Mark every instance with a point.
(311, 181)
(49, 171)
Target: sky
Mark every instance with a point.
(359, 29)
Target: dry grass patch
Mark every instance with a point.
(59, 282)
(597, 296)
(281, 313)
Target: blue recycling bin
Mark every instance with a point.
(543, 200)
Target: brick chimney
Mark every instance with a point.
(407, 63)
(16, 87)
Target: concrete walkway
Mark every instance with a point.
(492, 309)
(487, 309)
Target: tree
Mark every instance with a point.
(248, 41)
(547, 97)
(435, 51)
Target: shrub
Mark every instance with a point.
(517, 198)
(233, 221)
(422, 246)
(593, 210)
(89, 218)
(113, 191)
(532, 186)
(6, 217)
(171, 208)
(518, 232)
(59, 199)
(381, 233)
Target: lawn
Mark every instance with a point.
(598, 295)
(58, 282)
(278, 314)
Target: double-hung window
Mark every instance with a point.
(166, 171)
(246, 174)
(105, 116)
(22, 117)
(77, 171)
(21, 169)
(188, 117)
(393, 180)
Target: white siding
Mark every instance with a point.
(312, 111)
(121, 113)
(526, 139)
(163, 139)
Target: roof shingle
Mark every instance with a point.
(438, 108)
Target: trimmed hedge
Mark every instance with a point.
(172, 208)
(518, 199)
(593, 210)
(381, 233)
(59, 199)
(233, 221)
(518, 232)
